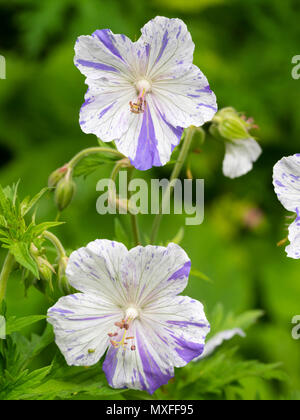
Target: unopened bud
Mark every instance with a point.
(229, 125)
(56, 176)
(63, 282)
(64, 192)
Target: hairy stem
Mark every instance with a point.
(175, 173)
(92, 150)
(56, 242)
(5, 273)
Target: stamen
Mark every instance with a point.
(143, 87)
(130, 315)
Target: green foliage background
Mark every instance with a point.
(245, 49)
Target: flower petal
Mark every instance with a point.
(150, 138)
(170, 47)
(151, 272)
(239, 157)
(185, 99)
(95, 270)
(165, 337)
(103, 54)
(106, 111)
(293, 250)
(81, 324)
(286, 181)
(218, 339)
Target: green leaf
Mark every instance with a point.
(27, 204)
(20, 251)
(37, 230)
(14, 324)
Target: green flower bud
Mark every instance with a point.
(64, 192)
(56, 176)
(229, 125)
(63, 282)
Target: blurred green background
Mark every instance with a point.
(245, 48)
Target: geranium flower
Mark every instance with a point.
(129, 304)
(286, 181)
(143, 94)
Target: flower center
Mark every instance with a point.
(130, 314)
(142, 87)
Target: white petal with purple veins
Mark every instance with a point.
(81, 323)
(95, 269)
(105, 54)
(152, 272)
(293, 250)
(239, 157)
(286, 181)
(185, 100)
(170, 47)
(106, 111)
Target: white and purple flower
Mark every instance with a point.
(286, 181)
(143, 94)
(129, 304)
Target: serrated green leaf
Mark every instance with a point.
(37, 230)
(27, 205)
(20, 251)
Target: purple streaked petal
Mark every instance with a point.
(151, 273)
(81, 325)
(107, 39)
(286, 181)
(146, 153)
(96, 66)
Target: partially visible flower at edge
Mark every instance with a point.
(129, 304)
(218, 339)
(143, 94)
(241, 150)
(286, 181)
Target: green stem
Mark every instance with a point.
(92, 150)
(134, 219)
(175, 173)
(56, 242)
(5, 273)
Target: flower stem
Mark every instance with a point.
(175, 173)
(56, 242)
(5, 273)
(134, 220)
(92, 150)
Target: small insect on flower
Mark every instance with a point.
(129, 306)
(143, 94)
(286, 181)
